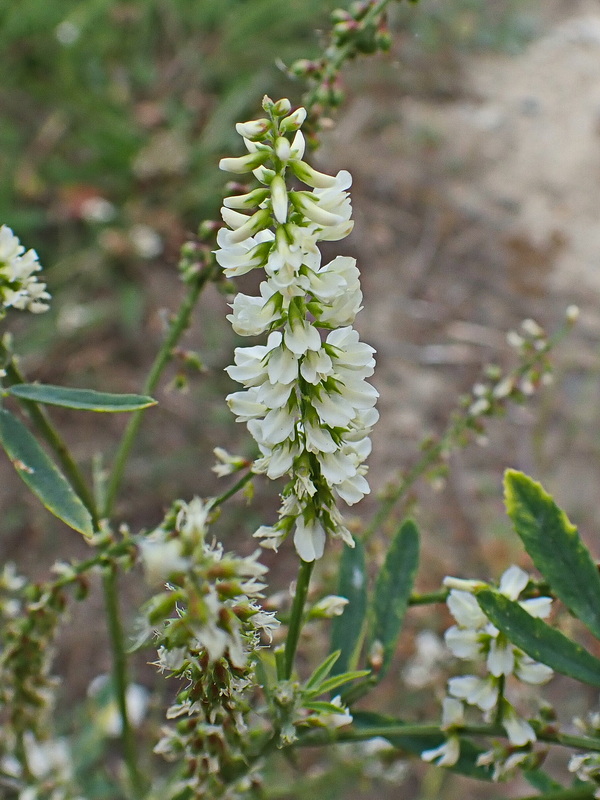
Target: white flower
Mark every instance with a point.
(446, 755)
(161, 558)
(518, 730)
(475, 691)
(309, 539)
(19, 288)
(331, 606)
(307, 402)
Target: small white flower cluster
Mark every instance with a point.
(587, 768)
(475, 638)
(206, 625)
(216, 593)
(306, 400)
(19, 287)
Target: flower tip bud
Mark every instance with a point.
(572, 314)
(282, 107)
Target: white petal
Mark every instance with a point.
(512, 582)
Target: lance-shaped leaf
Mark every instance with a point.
(42, 476)
(416, 744)
(555, 547)
(393, 588)
(346, 629)
(84, 399)
(538, 639)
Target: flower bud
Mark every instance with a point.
(246, 163)
(254, 130)
(293, 121)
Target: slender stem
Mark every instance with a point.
(42, 422)
(585, 792)
(389, 731)
(459, 425)
(178, 325)
(234, 490)
(428, 597)
(120, 678)
(304, 573)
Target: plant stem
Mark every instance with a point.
(390, 730)
(304, 573)
(428, 597)
(176, 329)
(120, 678)
(234, 490)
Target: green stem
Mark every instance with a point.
(428, 597)
(458, 426)
(120, 678)
(389, 731)
(586, 792)
(234, 490)
(42, 422)
(176, 330)
(304, 573)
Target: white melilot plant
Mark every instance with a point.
(306, 400)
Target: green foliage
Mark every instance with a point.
(555, 547)
(82, 399)
(538, 639)
(392, 591)
(41, 475)
(119, 99)
(346, 629)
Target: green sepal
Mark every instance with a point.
(393, 589)
(42, 476)
(82, 399)
(540, 641)
(555, 547)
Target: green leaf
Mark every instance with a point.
(346, 629)
(84, 399)
(336, 681)
(323, 706)
(466, 764)
(393, 588)
(555, 547)
(541, 781)
(322, 671)
(539, 640)
(41, 475)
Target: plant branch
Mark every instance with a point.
(120, 678)
(304, 573)
(176, 329)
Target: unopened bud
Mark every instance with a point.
(255, 129)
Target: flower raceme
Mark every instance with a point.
(306, 400)
(475, 638)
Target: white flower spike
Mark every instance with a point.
(305, 400)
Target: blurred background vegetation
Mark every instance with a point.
(113, 114)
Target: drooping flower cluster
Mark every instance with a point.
(306, 400)
(206, 623)
(19, 286)
(475, 638)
